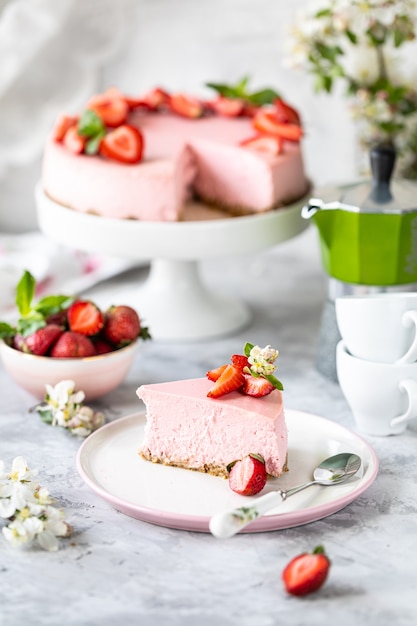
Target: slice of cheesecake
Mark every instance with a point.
(185, 428)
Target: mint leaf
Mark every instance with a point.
(90, 124)
(6, 330)
(28, 325)
(248, 347)
(265, 96)
(52, 304)
(274, 381)
(92, 146)
(25, 291)
(240, 91)
(223, 90)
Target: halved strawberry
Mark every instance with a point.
(229, 107)
(230, 380)
(62, 124)
(110, 107)
(267, 122)
(248, 476)
(73, 141)
(256, 386)
(187, 106)
(269, 144)
(215, 374)
(85, 317)
(156, 98)
(124, 144)
(240, 361)
(306, 572)
(286, 113)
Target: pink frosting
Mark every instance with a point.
(185, 426)
(181, 156)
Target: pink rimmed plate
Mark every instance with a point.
(109, 463)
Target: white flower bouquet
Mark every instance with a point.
(359, 43)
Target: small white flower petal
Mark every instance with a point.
(48, 541)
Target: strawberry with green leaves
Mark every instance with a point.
(307, 572)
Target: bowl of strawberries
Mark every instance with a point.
(69, 338)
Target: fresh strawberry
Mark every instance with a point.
(122, 325)
(240, 361)
(102, 346)
(230, 380)
(72, 345)
(41, 340)
(256, 386)
(250, 110)
(248, 476)
(269, 144)
(85, 317)
(286, 113)
(184, 105)
(306, 572)
(110, 107)
(267, 122)
(215, 374)
(58, 317)
(229, 107)
(62, 124)
(156, 98)
(73, 141)
(124, 144)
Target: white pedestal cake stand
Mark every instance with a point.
(173, 299)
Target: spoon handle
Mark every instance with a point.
(227, 524)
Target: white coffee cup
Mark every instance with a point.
(379, 327)
(382, 396)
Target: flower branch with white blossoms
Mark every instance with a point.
(358, 42)
(63, 406)
(29, 509)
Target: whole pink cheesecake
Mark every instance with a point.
(185, 428)
(181, 158)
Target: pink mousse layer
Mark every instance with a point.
(181, 157)
(185, 427)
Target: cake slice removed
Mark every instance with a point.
(188, 429)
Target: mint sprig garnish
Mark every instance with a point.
(240, 91)
(90, 125)
(32, 315)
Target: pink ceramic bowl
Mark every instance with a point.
(95, 375)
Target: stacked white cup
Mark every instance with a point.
(376, 359)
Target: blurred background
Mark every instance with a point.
(54, 55)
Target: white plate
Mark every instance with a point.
(167, 496)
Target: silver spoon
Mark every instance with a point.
(332, 471)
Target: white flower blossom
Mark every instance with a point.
(28, 509)
(262, 360)
(359, 42)
(63, 407)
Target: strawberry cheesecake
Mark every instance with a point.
(207, 424)
(145, 158)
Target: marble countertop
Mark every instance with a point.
(116, 569)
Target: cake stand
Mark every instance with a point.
(173, 300)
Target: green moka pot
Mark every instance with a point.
(368, 236)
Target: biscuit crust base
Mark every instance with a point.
(207, 468)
